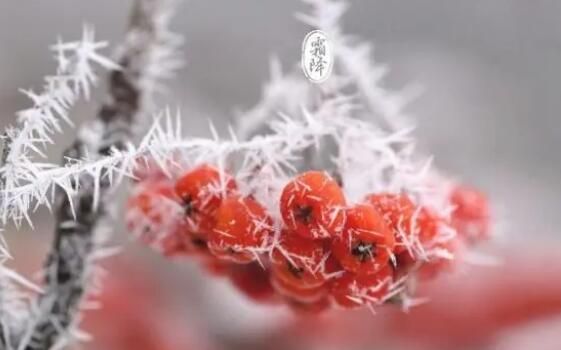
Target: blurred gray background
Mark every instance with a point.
(490, 70)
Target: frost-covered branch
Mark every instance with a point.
(146, 57)
(37, 125)
(23, 147)
(277, 151)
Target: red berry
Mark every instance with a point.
(312, 205)
(242, 226)
(398, 211)
(351, 291)
(201, 191)
(298, 293)
(148, 210)
(332, 267)
(428, 225)
(297, 261)
(471, 214)
(366, 243)
(409, 223)
(252, 280)
(430, 266)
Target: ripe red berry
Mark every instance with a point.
(301, 294)
(201, 191)
(252, 280)
(427, 225)
(471, 214)
(351, 291)
(398, 211)
(297, 261)
(332, 266)
(242, 227)
(312, 205)
(410, 224)
(148, 210)
(366, 243)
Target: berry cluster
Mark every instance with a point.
(318, 250)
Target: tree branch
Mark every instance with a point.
(79, 218)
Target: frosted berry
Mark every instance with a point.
(312, 205)
(366, 243)
(352, 291)
(471, 214)
(298, 293)
(242, 227)
(201, 191)
(428, 225)
(297, 260)
(398, 211)
(148, 213)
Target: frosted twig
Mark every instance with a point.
(81, 212)
(24, 143)
(37, 125)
